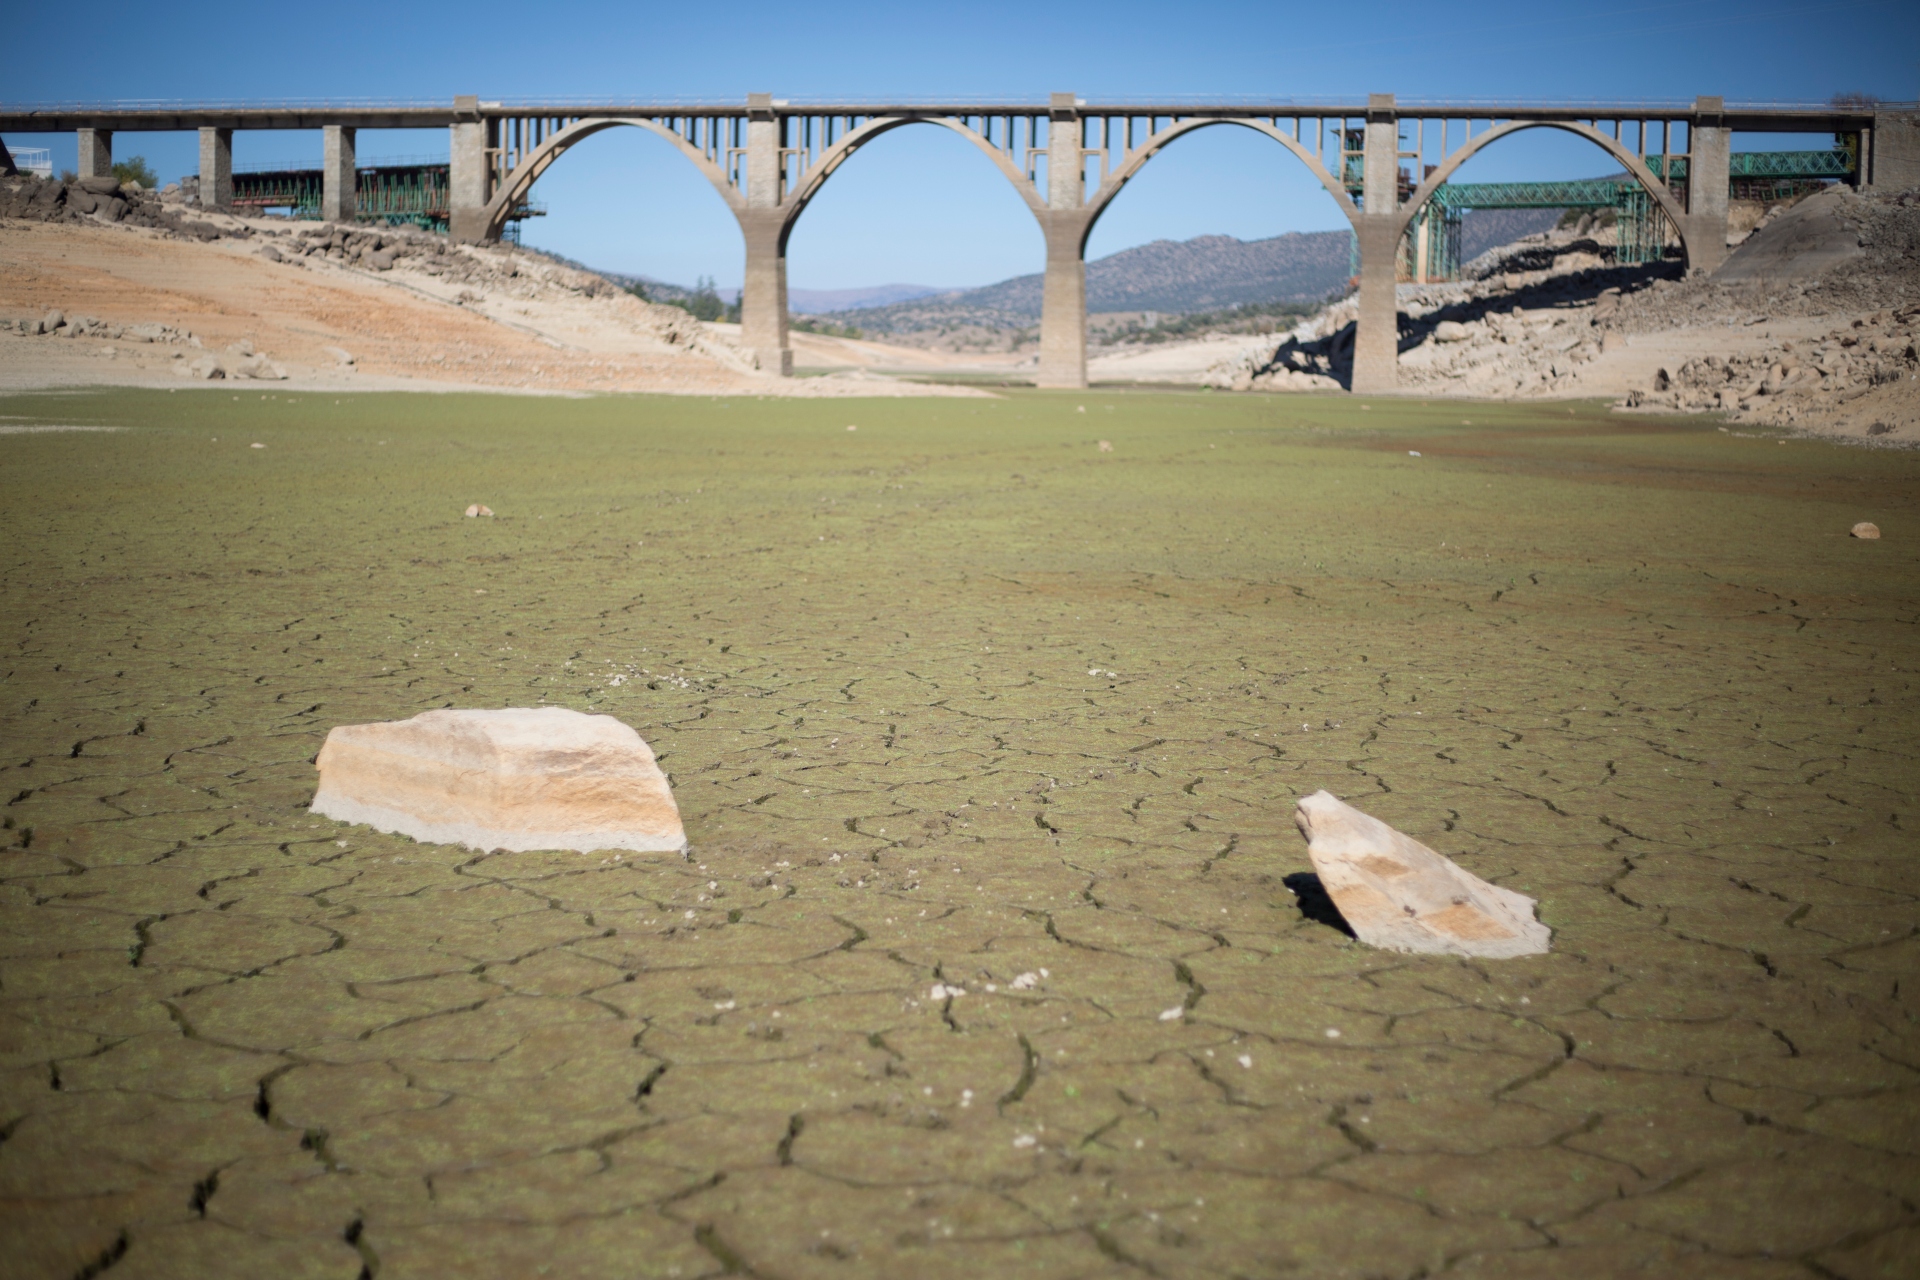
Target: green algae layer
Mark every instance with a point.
(987, 738)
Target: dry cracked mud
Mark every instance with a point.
(987, 742)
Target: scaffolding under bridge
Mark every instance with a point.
(1431, 251)
(395, 194)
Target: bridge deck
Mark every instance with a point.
(163, 116)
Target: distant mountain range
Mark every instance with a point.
(799, 301)
(1208, 273)
(819, 301)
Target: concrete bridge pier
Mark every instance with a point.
(1063, 304)
(467, 172)
(1063, 298)
(96, 153)
(338, 194)
(216, 168)
(763, 225)
(1376, 346)
(763, 293)
(1709, 170)
(1893, 152)
(1376, 339)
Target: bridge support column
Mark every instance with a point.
(1376, 345)
(1063, 298)
(96, 153)
(1063, 305)
(216, 168)
(1892, 162)
(763, 292)
(467, 173)
(1709, 170)
(338, 195)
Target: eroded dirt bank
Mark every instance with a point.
(326, 307)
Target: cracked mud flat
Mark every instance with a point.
(987, 743)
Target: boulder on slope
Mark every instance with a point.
(519, 778)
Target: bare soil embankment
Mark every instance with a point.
(148, 300)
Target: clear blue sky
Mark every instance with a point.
(920, 205)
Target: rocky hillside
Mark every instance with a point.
(1209, 273)
(1205, 274)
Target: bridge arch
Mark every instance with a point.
(1634, 165)
(810, 183)
(516, 185)
(1103, 196)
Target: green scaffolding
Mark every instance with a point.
(1641, 230)
(390, 195)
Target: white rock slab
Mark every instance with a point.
(1402, 896)
(520, 778)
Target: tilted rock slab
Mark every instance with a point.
(521, 778)
(1401, 895)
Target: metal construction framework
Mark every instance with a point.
(1382, 161)
(393, 194)
(1641, 232)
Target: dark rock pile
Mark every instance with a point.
(37, 199)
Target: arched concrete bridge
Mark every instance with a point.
(1380, 163)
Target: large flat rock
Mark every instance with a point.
(520, 778)
(1401, 895)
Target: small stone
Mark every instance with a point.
(1866, 529)
(478, 510)
(520, 778)
(1450, 331)
(270, 253)
(1402, 896)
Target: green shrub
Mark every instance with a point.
(136, 169)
